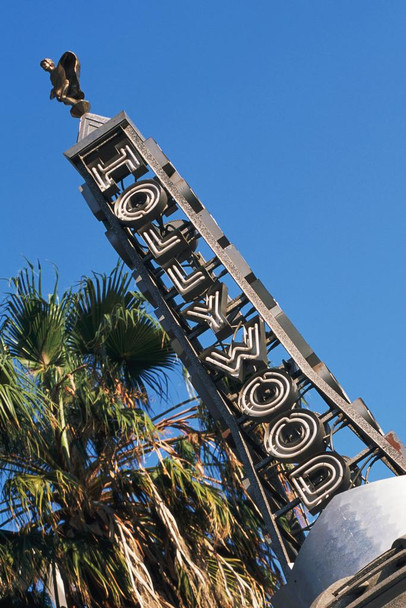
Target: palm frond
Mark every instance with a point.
(139, 350)
(33, 326)
(98, 296)
(130, 511)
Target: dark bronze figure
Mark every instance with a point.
(65, 81)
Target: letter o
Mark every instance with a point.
(267, 394)
(295, 436)
(141, 203)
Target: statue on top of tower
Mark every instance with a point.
(65, 81)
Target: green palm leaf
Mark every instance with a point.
(34, 327)
(125, 508)
(97, 297)
(138, 348)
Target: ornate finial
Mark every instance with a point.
(65, 81)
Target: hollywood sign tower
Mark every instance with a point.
(343, 545)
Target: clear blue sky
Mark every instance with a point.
(287, 118)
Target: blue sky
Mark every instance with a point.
(287, 118)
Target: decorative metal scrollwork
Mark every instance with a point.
(267, 394)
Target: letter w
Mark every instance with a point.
(252, 349)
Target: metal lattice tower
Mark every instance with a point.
(223, 324)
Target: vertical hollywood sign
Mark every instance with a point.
(160, 229)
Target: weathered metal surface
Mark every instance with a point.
(381, 584)
(355, 528)
(90, 124)
(223, 341)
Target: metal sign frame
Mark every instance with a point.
(190, 298)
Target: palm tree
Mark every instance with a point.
(104, 504)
